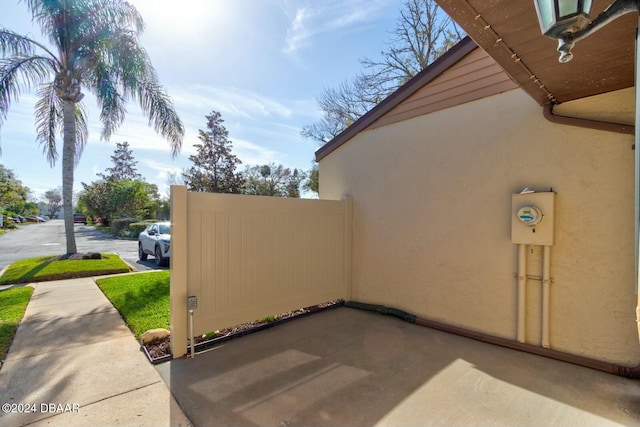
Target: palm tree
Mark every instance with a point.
(97, 49)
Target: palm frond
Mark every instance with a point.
(55, 18)
(18, 73)
(129, 59)
(48, 120)
(99, 47)
(14, 44)
(70, 25)
(127, 67)
(82, 131)
(157, 105)
(45, 12)
(140, 81)
(110, 101)
(122, 13)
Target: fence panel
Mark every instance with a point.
(249, 257)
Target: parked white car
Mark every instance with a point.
(155, 240)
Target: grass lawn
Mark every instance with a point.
(42, 269)
(13, 302)
(141, 299)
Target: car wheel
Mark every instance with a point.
(141, 254)
(159, 258)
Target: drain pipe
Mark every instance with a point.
(522, 291)
(586, 123)
(548, 113)
(632, 372)
(546, 280)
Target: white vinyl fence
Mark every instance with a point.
(249, 257)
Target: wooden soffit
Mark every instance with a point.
(508, 30)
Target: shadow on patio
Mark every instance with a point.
(349, 367)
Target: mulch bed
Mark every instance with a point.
(77, 256)
(159, 350)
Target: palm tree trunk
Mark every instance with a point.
(68, 163)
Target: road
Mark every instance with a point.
(48, 238)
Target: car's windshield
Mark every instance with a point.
(165, 229)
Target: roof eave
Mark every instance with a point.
(440, 65)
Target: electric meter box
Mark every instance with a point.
(532, 218)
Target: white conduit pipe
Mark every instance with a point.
(193, 352)
(546, 281)
(522, 279)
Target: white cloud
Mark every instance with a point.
(319, 18)
(253, 154)
(232, 102)
(298, 33)
(163, 172)
(140, 136)
(161, 167)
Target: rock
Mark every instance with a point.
(92, 255)
(154, 334)
(78, 256)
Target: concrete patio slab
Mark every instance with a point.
(349, 367)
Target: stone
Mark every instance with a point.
(154, 334)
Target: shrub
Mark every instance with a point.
(137, 227)
(118, 225)
(8, 225)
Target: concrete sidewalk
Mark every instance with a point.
(74, 362)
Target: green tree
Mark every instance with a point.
(422, 33)
(214, 165)
(30, 209)
(119, 199)
(95, 47)
(313, 181)
(124, 165)
(121, 193)
(133, 199)
(53, 200)
(273, 180)
(12, 192)
(93, 200)
(294, 180)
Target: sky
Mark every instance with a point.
(260, 63)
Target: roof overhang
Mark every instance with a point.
(508, 30)
(439, 66)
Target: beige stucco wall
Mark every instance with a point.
(432, 222)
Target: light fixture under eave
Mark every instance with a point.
(557, 17)
(568, 20)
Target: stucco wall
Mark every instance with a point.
(432, 222)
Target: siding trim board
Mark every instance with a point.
(463, 74)
(438, 67)
(475, 76)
